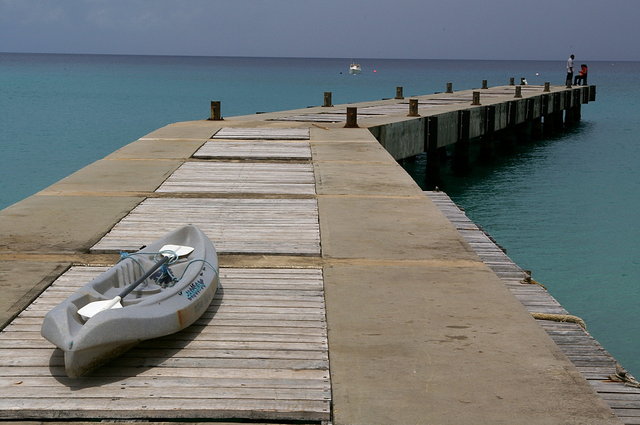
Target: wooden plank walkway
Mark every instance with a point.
(262, 133)
(253, 149)
(242, 177)
(595, 363)
(253, 226)
(259, 352)
(246, 225)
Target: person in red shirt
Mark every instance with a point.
(582, 76)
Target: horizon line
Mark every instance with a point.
(298, 57)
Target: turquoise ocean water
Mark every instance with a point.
(565, 208)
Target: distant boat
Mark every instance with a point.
(354, 68)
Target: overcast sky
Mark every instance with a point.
(445, 29)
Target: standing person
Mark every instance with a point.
(570, 70)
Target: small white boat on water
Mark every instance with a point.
(354, 68)
(157, 291)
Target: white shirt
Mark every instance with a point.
(570, 65)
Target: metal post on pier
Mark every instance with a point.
(449, 87)
(512, 81)
(547, 87)
(485, 84)
(399, 94)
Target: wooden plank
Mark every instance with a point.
(241, 177)
(129, 373)
(167, 381)
(260, 226)
(322, 117)
(57, 392)
(265, 359)
(254, 150)
(186, 408)
(262, 133)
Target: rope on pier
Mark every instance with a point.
(560, 318)
(534, 282)
(622, 375)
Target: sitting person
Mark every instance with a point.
(582, 76)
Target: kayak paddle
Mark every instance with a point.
(168, 252)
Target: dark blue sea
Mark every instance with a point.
(565, 207)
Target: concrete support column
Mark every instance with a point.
(584, 93)
(558, 113)
(536, 121)
(433, 153)
(526, 128)
(508, 134)
(488, 138)
(576, 105)
(569, 112)
(547, 116)
(461, 160)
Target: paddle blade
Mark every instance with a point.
(179, 250)
(91, 309)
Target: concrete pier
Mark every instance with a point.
(419, 328)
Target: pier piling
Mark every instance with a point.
(413, 108)
(476, 98)
(215, 111)
(352, 117)
(327, 99)
(461, 160)
(433, 154)
(518, 93)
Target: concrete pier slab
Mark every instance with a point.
(132, 175)
(21, 282)
(158, 149)
(444, 345)
(60, 224)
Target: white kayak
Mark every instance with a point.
(157, 291)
